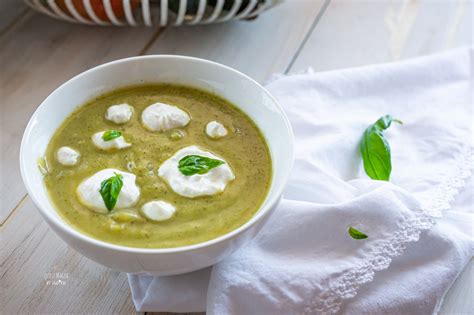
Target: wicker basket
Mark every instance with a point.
(151, 12)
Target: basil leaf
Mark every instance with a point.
(196, 164)
(356, 234)
(110, 190)
(111, 134)
(375, 149)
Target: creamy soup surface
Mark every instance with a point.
(196, 219)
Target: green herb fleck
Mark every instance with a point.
(375, 149)
(110, 190)
(111, 134)
(196, 164)
(356, 234)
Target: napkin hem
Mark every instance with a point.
(346, 286)
(442, 195)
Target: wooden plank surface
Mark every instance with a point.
(355, 33)
(40, 274)
(10, 10)
(257, 48)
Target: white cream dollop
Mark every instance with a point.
(67, 156)
(116, 143)
(119, 114)
(158, 210)
(210, 183)
(162, 117)
(89, 191)
(215, 130)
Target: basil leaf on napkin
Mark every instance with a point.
(110, 135)
(196, 164)
(375, 149)
(110, 190)
(356, 234)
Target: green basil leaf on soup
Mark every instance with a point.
(110, 135)
(196, 164)
(110, 190)
(375, 149)
(356, 234)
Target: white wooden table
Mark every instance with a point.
(38, 53)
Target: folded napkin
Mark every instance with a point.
(303, 260)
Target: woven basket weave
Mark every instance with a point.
(151, 12)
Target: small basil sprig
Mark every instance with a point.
(110, 135)
(356, 234)
(110, 190)
(375, 149)
(196, 164)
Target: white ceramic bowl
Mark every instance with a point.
(234, 86)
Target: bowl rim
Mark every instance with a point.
(68, 229)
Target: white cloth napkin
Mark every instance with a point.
(303, 260)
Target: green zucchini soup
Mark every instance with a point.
(157, 166)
